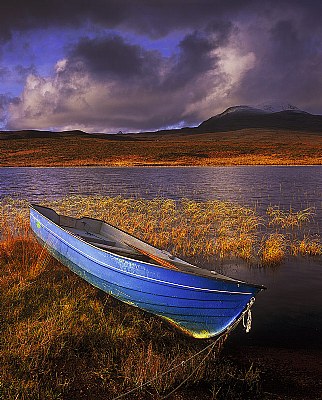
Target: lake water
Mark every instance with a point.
(289, 313)
(296, 186)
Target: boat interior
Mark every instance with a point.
(112, 239)
(109, 238)
(95, 233)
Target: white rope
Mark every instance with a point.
(248, 324)
(210, 346)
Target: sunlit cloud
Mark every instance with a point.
(153, 65)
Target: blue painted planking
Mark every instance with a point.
(203, 306)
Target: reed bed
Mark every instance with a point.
(205, 231)
(61, 338)
(199, 231)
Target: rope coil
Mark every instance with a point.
(248, 324)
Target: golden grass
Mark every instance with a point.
(309, 245)
(244, 147)
(210, 230)
(61, 338)
(274, 249)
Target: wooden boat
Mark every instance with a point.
(202, 303)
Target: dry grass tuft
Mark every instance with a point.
(308, 246)
(289, 219)
(62, 339)
(273, 249)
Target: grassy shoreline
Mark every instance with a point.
(61, 338)
(211, 230)
(164, 166)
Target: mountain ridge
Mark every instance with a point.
(269, 116)
(247, 117)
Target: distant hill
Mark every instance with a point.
(35, 134)
(246, 117)
(212, 143)
(268, 116)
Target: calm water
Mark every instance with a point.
(285, 186)
(289, 313)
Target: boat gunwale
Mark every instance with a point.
(168, 296)
(220, 277)
(141, 277)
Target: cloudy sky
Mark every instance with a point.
(134, 65)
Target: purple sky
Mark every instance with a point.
(132, 65)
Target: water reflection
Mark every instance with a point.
(289, 313)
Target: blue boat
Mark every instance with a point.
(200, 302)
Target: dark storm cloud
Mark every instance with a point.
(192, 60)
(113, 57)
(196, 54)
(228, 52)
(287, 68)
(108, 82)
(19, 15)
(286, 42)
(155, 18)
(146, 76)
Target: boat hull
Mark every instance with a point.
(200, 306)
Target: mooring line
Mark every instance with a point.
(165, 372)
(210, 346)
(195, 370)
